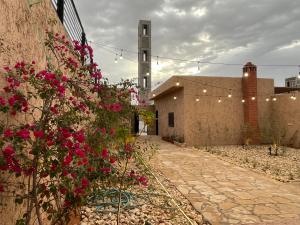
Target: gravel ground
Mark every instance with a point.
(146, 209)
(283, 167)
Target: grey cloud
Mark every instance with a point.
(238, 31)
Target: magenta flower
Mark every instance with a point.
(104, 153)
(8, 133)
(24, 134)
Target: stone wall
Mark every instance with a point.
(22, 35)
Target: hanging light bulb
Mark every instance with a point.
(246, 74)
(219, 100)
(243, 100)
(267, 99)
(116, 58)
(293, 97)
(153, 95)
(229, 95)
(147, 74)
(197, 99)
(174, 97)
(204, 90)
(274, 99)
(253, 98)
(177, 83)
(121, 54)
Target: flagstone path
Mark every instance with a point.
(225, 193)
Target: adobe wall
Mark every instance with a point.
(167, 104)
(22, 35)
(208, 122)
(286, 116)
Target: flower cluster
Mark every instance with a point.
(77, 132)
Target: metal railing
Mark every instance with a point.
(68, 15)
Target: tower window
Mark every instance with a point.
(145, 56)
(145, 82)
(145, 29)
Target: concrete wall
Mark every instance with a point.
(207, 122)
(22, 35)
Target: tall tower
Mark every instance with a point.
(144, 59)
(249, 84)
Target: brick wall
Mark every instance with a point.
(249, 88)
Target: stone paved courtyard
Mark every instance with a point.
(225, 193)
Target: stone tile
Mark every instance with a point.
(227, 194)
(264, 210)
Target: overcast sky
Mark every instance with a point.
(230, 31)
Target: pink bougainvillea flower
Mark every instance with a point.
(112, 160)
(67, 160)
(8, 151)
(112, 131)
(143, 180)
(38, 133)
(79, 152)
(8, 133)
(103, 131)
(105, 170)
(79, 136)
(2, 101)
(128, 148)
(24, 134)
(84, 182)
(104, 153)
(115, 107)
(12, 100)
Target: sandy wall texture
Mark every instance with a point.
(207, 122)
(22, 35)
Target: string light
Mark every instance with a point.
(219, 100)
(174, 97)
(253, 98)
(246, 74)
(177, 83)
(229, 95)
(204, 90)
(121, 54)
(153, 95)
(197, 99)
(267, 99)
(293, 97)
(110, 46)
(274, 99)
(243, 100)
(147, 74)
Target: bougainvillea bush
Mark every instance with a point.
(64, 131)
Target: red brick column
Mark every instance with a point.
(249, 84)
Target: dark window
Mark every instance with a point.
(145, 29)
(288, 84)
(171, 119)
